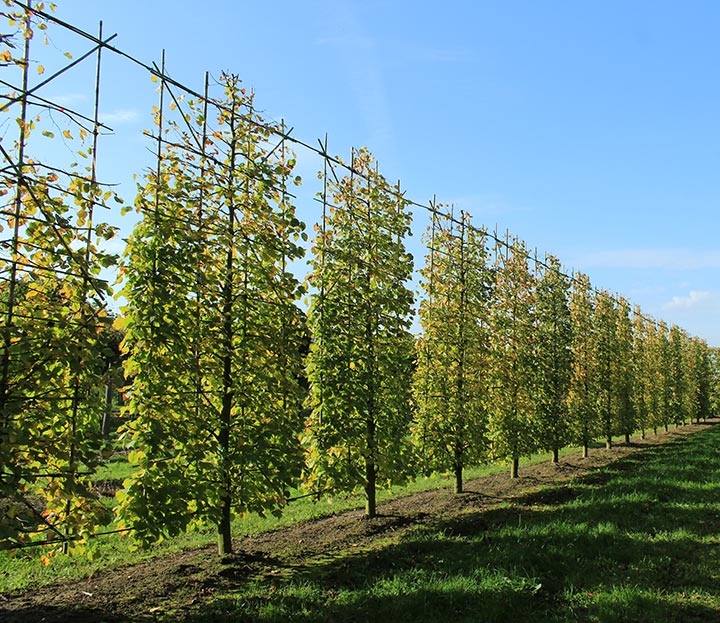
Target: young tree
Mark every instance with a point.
(642, 366)
(703, 365)
(677, 376)
(554, 334)
(52, 314)
(605, 322)
(662, 407)
(583, 379)
(513, 359)
(622, 372)
(213, 332)
(362, 353)
(714, 356)
(450, 384)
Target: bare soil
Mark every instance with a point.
(174, 586)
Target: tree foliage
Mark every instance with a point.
(513, 357)
(53, 315)
(582, 391)
(450, 383)
(604, 339)
(554, 334)
(361, 356)
(623, 371)
(213, 334)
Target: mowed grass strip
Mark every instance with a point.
(22, 569)
(635, 541)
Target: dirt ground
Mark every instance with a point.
(176, 585)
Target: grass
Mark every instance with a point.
(636, 541)
(21, 570)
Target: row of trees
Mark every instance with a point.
(229, 409)
(235, 395)
(517, 357)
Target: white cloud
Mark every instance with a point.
(69, 99)
(682, 259)
(693, 299)
(119, 115)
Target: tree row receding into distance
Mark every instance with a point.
(249, 382)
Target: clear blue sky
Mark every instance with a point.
(590, 130)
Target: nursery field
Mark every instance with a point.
(628, 534)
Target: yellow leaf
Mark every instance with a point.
(5, 56)
(41, 69)
(68, 55)
(67, 135)
(45, 560)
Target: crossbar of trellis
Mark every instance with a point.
(15, 171)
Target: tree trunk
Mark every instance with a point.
(515, 467)
(556, 455)
(458, 478)
(107, 413)
(370, 466)
(370, 493)
(586, 450)
(225, 419)
(224, 530)
(627, 438)
(608, 443)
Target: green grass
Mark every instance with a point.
(21, 570)
(637, 541)
(633, 542)
(116, 468)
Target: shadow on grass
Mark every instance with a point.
(633, 542)
(62, 614)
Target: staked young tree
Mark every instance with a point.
(655, 377)
(53, 306)
(213, 330)
(678, 377)
(642, 370)
(450, 384)
(554, 333)
(605, 346)
(53, 303)
(513, 358)
(664, 415)
(703, 365)
(692, 378)
(623, 372)
(583, 380)
(714, 356)
(362, 354)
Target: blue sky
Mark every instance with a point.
(590, 130)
